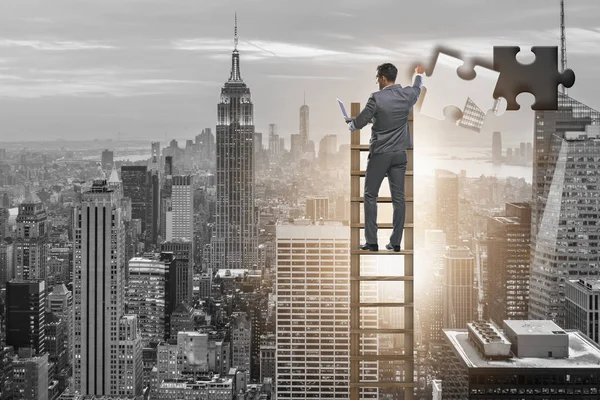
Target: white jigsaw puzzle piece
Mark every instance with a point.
(445, 88)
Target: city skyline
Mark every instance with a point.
(100, 80)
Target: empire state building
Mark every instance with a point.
(235, 242)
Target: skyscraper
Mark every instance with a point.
(446, 190)
(182, 206)
(317, 208)
(460, 301)
(508, 241)
(135, 186)
(98, 291)
(304, 124)
(313, 310)
(155, 158)
(566, 212)
(25, 315)
(235, 244)
(273, 141)
(32, 240)
(497, 148)
(107, 160)
(146, 296)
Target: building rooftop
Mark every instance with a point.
(533, 327)
(589, 284)
(583, 353)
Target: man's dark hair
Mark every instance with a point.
(388, 71)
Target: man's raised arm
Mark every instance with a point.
(414, 91)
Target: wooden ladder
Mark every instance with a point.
(356, 202)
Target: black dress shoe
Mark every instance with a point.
(369, 247)
(395, 248)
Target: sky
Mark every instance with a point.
(154, 69)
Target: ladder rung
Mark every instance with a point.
(380, 331)
(382, 385)
(382, 226)
(363, 173)
(385, 252)
(379, 199)
(382, 278)
(358, 305)
(365, 147)
(381, 357)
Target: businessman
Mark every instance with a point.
(389, 109)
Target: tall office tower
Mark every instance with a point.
(31, 243)
(581, 306)
(497, 148)
(317, 208)
(328, 151)
(135, 186)
(526, 358)
(182, 205)
(56, 341)
(304, 124)
(281, 145)
(564, 217)
(147, 296)
(446, 191)
(25, 315)
(460, 301)
(98, 289)
(107, 160)
(206, 144)
(235, 243)
(273, 141)
(166, 205)
(6, 261)
(258, 146)
(4, 216)
(297, 146)
(508, 241)
(60, 302)
(153, 207)
(181, 272)
(241, 338)
(192, 353)
(155, 164)
(30, 376)
(312, 320)
(129, 368)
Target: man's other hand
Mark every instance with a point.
(420, 69)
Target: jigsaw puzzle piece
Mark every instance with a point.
(540, 78)
(446, 88)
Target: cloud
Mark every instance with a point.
(55, 45)
(110, 84)
(310, 77)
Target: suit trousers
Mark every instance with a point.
(393, 165)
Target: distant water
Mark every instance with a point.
(475, 161)
(133, 157)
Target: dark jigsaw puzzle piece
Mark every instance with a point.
(540, 78)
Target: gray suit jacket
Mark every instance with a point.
(389, 109)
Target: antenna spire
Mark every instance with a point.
(235, 36)
(305, 97)
(563, 43)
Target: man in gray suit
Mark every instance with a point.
(389, 109)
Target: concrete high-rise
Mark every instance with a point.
(235, 241)
(156, 164)
(25, 315)
(182, 206)
(508, 241)
(273, 141)
(565, 212)
(497, 148)
(147, 296)
(460, 300)
(98, 292)
(60, 302)
(446, 190)
(582, 308)
(313, 310)
(31, 243)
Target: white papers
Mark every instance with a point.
(346, 117)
